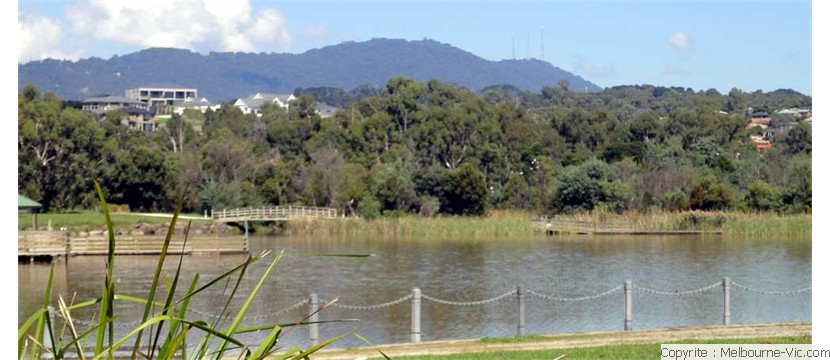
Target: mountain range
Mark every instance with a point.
(223, 76)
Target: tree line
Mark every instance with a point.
(430, 148)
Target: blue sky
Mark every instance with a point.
(702, 44)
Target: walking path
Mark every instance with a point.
(588, 339)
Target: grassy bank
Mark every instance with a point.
(730, 223)
(86, 221)
(518, 224)
(497, 224)
(636, 351)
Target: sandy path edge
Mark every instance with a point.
(586, 339)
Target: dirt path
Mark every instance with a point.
(587, 339)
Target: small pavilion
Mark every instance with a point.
(25, 204)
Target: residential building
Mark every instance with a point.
(139, 119)
(179, 106)
(100, 105)
(759, 118)
(161, 94)
(253, 104)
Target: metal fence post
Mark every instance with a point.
(313, 328)
(521, 299)
(726, 315)
(416, 315)
(628, 308)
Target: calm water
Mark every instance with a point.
(470, 270)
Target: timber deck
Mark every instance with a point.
(53, 244)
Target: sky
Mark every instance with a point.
(759, 45)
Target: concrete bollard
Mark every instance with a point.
(726, 315)
(313, 316)
(416, 315)
(628, 305)
(521, 300)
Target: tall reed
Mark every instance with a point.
(165, 323)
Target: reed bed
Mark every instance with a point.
(729, 223)
(511, 223)
(496, 224)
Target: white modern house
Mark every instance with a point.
(201, 104)
(155, 95)
(253, 104)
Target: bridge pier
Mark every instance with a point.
(246, 230)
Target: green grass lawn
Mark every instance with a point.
(639, 351)
(85, 221)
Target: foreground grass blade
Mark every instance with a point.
(152, 321)
(157, 275)
(228, 273)
(171, 293)
(370, 344)
(43, 321)
(241, 314)
(314, 348)
(174, 324)
(105, 313)
(267, 344)
(115, 297)
(21, 332)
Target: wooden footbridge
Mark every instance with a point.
(274, 213)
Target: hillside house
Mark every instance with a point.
(155, 95)
(253, 104)
(759, 118)
(201, 104)
(100, 105)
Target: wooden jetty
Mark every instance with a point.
(558, 226)
(49, 245)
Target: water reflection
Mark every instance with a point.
(469, 270)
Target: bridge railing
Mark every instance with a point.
(275, 213)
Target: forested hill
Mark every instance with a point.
(225, 76)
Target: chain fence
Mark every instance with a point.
(470, 303)
(775, 293)
(519, 294)
(678, 292)
(581, 298)
(369, 307)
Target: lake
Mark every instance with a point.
(471, 270)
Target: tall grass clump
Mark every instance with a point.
(497, 224)
(162, 332)
(513, 223)
(726, 222)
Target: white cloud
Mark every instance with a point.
(270, 27)
(196, 25)
(39, 38)
(680, 41)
